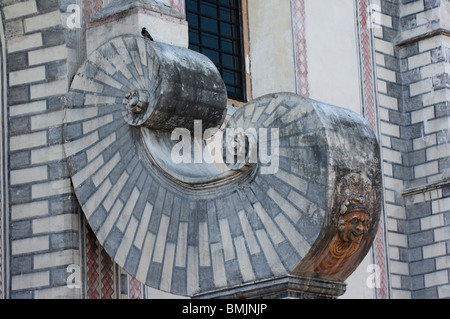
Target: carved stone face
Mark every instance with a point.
(355, 225)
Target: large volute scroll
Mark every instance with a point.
(299, 199)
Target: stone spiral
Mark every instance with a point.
(276, 220)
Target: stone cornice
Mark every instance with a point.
(423, 36)
(120, 9)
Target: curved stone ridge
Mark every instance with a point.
(162, 87)
(283, 219)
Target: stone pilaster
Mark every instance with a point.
(42, 220)
(412, 57)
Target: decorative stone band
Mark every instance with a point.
(254, 228)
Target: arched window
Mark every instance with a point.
(215, 30)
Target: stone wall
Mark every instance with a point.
(42, 215)
(45, 244)
(412, 56)
(424, 53)
(2, 156)
(42, 232)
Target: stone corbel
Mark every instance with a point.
(294, 219)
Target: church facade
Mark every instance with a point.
(386, 60)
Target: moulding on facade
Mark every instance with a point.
(122, 17)
(124, 7)
(288, 287)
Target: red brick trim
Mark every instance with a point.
(369, 103)
(300, 48)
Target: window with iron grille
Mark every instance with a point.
(215, 31)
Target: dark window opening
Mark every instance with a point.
(215, 31)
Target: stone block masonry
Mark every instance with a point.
(45, 233)
(40, 229)
(44, 228)
(146, 222)
(412, 68)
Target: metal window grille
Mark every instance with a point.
(215, 31)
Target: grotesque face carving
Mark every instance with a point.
(353, 226)
(354, 220)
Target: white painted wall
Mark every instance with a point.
(271, 47)
(358, 283)
(334, 78)
(333, 63)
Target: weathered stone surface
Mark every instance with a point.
(309, 206)
(183, 86)
(163, 86)
(294, 287)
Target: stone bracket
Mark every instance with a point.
(296, 223)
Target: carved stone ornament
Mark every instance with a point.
(300, 198)
(354, 222)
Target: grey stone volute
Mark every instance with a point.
(177, 87)
(312, 215)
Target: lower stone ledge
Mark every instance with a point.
(288, 287)
(422, 36)
(124, 7)
(426, 188)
